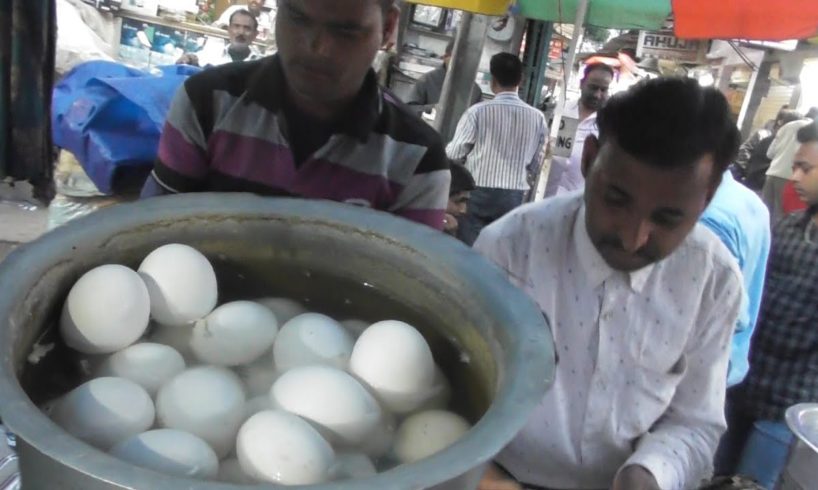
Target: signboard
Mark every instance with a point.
(664, 45)
(565, 137)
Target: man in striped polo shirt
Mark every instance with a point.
(503, 141)
(310, 121)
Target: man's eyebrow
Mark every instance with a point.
(350, 25)
(670, 212)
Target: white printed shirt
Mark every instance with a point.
(642, 356)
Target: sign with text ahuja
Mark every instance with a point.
(664, 45)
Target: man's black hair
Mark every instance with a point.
(596, 66)
(462, 180)
(808, 134)
(248, 14)
(812, 113)
(671, 122)
(506, 69)
(786, 116)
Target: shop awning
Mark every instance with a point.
(693, 19)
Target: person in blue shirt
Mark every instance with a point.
(741, 220)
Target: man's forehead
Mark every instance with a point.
(618, 166)
(336, 11)
(807, 152)
(599, 76)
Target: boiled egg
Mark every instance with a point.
(312, 338)
(107, 309)
(181, 283)
(147, 364)
(169, 451)
(207, 401)
(279, 447)
(105, 411)
(426, 433)
(234, 333)
(395, 361)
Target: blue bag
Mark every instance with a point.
(110, 117)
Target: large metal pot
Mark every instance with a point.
(801, 471)
(492, 341)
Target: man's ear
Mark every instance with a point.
(589, 153)
(390, 24)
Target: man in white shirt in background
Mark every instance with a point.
(242, 33)
(265, 20)
(503, 142)
(641, 299)
(565, 174)
(781, 152)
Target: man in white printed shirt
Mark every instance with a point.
(642, 301)
(503, 141)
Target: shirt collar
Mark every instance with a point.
(268, 87)
(594, 266)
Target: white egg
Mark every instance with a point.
(206, 401)
(234, 333)
(256, 405)
(258, 376)
(230, 472)
(395, 361)
(329, 398)
(181, 283)
(352, 466)
(426, 433)
(146, 364)
(355, 327)
(312, 338)
(284, 309)
(176, 337)
(380, 440)
(169, 451)
(107, 309)
(105, 411)
(280, 447)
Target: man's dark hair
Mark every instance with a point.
(808, 134)
(506, 69)
(786, 116)
(462, 180)
(671, 122)
(248, 14)
(812, 113)
(596, 66)
(387, 4)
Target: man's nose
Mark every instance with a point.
(636, 236)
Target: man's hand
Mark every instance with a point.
(493, 479)
(188, 59)
(635, 477)
(450, 224)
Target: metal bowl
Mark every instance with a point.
(492, 341)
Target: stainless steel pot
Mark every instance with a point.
(492, 341)
(801, 471)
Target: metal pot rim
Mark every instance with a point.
(529, 360)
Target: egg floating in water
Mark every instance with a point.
(331, 399)
(426, 433)
(170, 451)
(206, 401)
(105, 411)
(235, 333)
(181, 284)
(280, 447)
(107, 309)
(312, 338)
(279, 394)
(149, 365)
(396, 362)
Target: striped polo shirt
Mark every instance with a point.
(226, 132)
